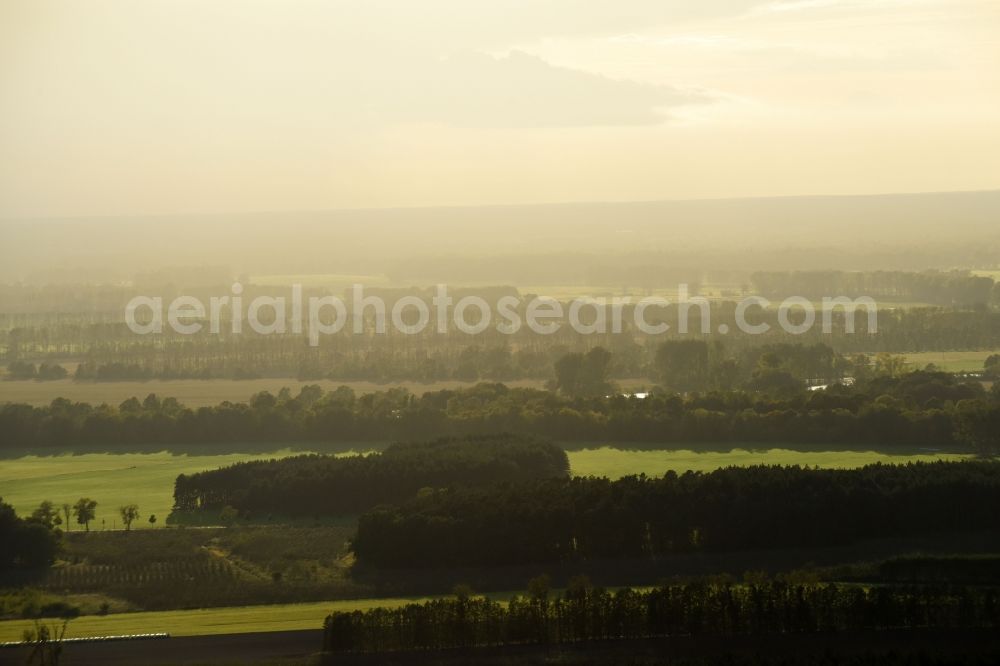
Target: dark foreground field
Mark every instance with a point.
(926, 648)
(266, 647)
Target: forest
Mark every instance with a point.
(314, 484)
(639, 517)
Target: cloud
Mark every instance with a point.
(522, 90)
(807, 5)
(499, 23)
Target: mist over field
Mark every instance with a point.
(522, 245)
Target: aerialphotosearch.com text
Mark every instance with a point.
(360, 313)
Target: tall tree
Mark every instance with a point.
(979, 426)
(584, 375)
(129, 513)
(67, 511)
(682, 365)
(85, 511)
(46, 514)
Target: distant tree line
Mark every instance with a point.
(930, 409)
(42, 372)
(935, 287)
(108, 351)
(978, 569)
(701, 608)
(314, 485)
(680, 365)
(734, 508)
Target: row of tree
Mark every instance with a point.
(109, 351)
(915, 409)
(314, 484)
(54, 517)
(733, 508)
(35, 541)
(778, 369)
(679, 365)
(937, 287)
(21, 370)
(586, 613)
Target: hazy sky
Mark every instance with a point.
(148, 106)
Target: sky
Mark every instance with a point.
(127, 107)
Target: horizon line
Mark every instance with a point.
(547, 204)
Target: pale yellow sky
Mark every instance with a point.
(117, 107)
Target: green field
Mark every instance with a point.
(147, 479)
(956, 361)
(616, 463)
(236, 620)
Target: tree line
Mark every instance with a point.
(21, 370)
(936, 287)
(680, 365)
(315, 485)
(108, 351)
(734, 508)
(931, 409)
(699, 608)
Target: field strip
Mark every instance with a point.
(208, 621)
(40, 473)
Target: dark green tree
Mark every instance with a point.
(85, 510)
(682, 365)
(129, 514)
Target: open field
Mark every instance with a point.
(147, 479)
(955, 361)
(234, 620)
(616, 463)
(328, 280)
(714, 291)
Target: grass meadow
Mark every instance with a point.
(146, 479)
(233, 620)
(618, 462)
(954, 361)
